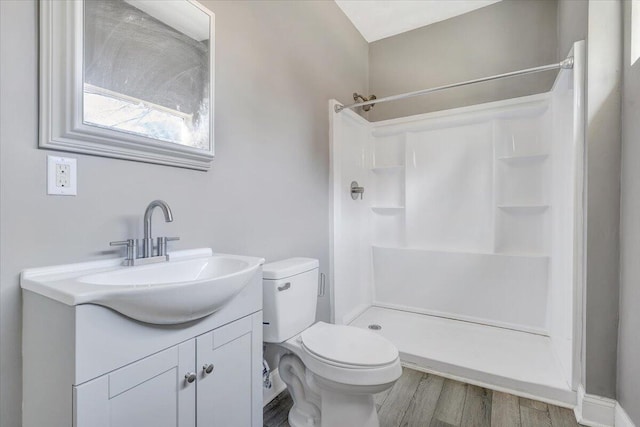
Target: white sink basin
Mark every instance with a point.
(193, 284)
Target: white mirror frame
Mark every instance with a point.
(61, 97)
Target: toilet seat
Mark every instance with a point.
(357, 369)
(348, 346)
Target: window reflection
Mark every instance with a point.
(142, 75)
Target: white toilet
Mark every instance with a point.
(331, 371)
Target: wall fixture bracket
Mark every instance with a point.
(356, 190)
(357, 97)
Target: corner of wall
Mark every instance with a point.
(622, 419)
(597, 411)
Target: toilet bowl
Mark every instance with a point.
(331, 371)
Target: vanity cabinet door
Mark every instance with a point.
(231, 393)
(152, 392)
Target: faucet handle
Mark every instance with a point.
(162, 244)
(132, 249)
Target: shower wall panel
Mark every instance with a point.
(501, 290)
(449, 188)
(351, 232)
(566, 157)
(472, 216)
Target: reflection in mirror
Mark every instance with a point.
(146, 69)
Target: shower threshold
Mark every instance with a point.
(501, 359)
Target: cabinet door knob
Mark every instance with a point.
(208, 368)
(190, 377)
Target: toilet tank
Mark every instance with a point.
(289, 296)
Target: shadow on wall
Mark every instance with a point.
(602, 301)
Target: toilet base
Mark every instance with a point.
(319, 402)
(306, 402)
(340, 408)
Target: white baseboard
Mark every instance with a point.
(595, 411)
(277, 387)
(621, 418)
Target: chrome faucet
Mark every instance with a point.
(147, 241)
(134, 256)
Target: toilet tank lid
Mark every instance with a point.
(288, 267)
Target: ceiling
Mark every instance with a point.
(377, 19)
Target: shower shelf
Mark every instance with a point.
(523, 208)
(508, 253)
(523, 254)
(524, 158)
(387, 209)
(390, 168)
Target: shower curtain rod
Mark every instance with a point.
(566, 64)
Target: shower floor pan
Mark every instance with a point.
(501, 359)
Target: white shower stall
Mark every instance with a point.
(466, 247)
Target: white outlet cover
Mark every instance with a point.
(52, 188)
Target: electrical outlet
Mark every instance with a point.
(61, 176)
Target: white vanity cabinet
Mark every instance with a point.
(89, 366)
(224, 395)
(209, 379)
(150, 392)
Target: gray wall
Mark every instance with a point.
(506, 36)
(599, 22)
(572, 24)
(603, 135)
(628, 343)
(277, 65)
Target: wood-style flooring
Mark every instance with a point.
(425, 400)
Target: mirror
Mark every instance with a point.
(140, 80)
